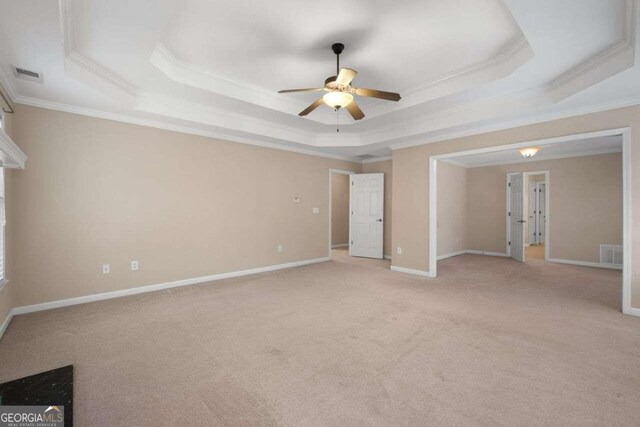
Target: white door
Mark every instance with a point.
(367, 215)
(516, 216)
(542, 211)
(531, 224)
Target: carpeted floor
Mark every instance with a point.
(489, 342)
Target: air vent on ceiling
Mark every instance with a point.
(25, 74)
(365, 156)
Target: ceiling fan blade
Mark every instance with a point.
(311, 107)
(354, 110)
(389, 96)
(312, 89)
(345, 76)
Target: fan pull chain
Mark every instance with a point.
(337, 120)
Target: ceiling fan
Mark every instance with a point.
(340, 92)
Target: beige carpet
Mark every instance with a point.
(490, 342)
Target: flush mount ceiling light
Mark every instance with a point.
(529, 152)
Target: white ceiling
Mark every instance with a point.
(583, 147)
(214, 68)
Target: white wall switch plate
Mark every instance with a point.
(316, 210)
(296, 200)
(135, 265)
(279, 248)
(106, 269)
(399, 250)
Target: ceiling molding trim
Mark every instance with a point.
(171, 107)
(124, 118)
(377, 159)
(189, 74)
(515, 55)
(537, 158)
(617, 58)
(541, 118)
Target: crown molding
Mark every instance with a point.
(377, 159)
(221, 136)
(537, 158)
(541, 118)
(505, 63)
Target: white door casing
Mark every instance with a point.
(367, 215)
(516, 216)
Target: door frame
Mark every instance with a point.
(625, 132)
(330, 213)
(547, 210)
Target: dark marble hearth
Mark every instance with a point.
(54, 388)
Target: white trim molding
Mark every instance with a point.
(12, 155)
(158, 287)
(412, 271)
(625, 132)
(488, 253)
(6, 322)
(586, 263)
(451, 255)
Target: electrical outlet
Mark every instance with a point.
(316, 210)
(106, 269)
(399, 250)
(279, 248)
(135, 265)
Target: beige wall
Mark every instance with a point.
(339, 209)
(385, 167)
(411, 181)
(585, 205)
(97, 191)
(452, 208)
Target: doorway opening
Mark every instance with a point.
(339, 182)
(356, 214)
(582, 210)
(527, 207)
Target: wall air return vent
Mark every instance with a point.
(611, 254)
(25, 74)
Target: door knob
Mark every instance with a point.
(379, 219)
(522, 221)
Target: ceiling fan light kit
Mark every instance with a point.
(340, 93)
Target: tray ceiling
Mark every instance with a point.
(214, 68)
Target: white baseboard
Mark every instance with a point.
(387, 256)
(585, 263)
(342, 245)
(632, 311)
(452, 254)
(151, 288)
(412, 271)
(6, 322)
(474, 252)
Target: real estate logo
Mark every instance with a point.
(31, 416)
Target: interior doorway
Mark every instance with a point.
(356, 214)
(339, 211)
(527, 215)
